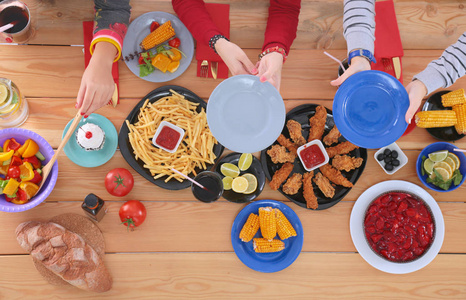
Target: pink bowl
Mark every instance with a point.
(21, 135)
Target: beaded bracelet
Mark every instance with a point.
(274, 49)
(213, 40)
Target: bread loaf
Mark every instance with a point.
(66, 254)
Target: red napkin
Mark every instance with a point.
(220, 14)
(88, 28)
(387, 37)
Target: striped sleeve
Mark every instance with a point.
(448, 68)
(359, 24)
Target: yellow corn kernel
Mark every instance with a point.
(268, 223)
(454, 98)
(284, 227)
(460, 111)
(158, 36)
(435, 118)
(262, 245)
(250, 228)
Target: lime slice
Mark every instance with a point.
(450, 162)
(438, 155)
(227, 183)
(429, 166)
(228, 169)
(455, 158)
(245, 161)
(444, 173)
(444, 165)
(252, 181)
(3, 93)
(239, 184)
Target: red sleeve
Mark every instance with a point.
(282, 24)
(194, 15)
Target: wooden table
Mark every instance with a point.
(183, 250)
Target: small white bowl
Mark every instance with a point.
(322, 149)
(174, 127)
(401, 157)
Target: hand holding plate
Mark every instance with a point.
(270, 69)
(358, 64)
(416, 91)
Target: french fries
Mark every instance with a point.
(196, 148)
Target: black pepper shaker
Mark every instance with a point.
(94, 207)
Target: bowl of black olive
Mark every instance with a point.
(391, 158)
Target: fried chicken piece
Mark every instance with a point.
(308, 191)
(332, 136)
(294, 128)
(335, 176)
(347, 163)
(342, 148)
(280, 176)
(324, 185)
(317, 122)
(278, 154)
(293, 184)
(282, 140)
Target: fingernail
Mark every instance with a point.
(409, 122)
(82, 114)
(86, 116)
(263, 79)
(76, 105)
(254, 70)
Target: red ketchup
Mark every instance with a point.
(399, 227)
(168, 138)
(312, 156)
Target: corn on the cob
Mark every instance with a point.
(268, 223)
(454, 98)
(262, 245)
(250, 228)
(284, 227)
(460, 111)
(435, 118)
(158, 36)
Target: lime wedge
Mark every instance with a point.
(450, 162)
(239, 184)
(438, 155)
(3, 93)
(245, 161)
(444, 165)
(429, 166)
(252, 181)
(228, 169)
(455, 158)
(227, 183)
(444, 173)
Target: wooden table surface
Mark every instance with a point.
(183, 250)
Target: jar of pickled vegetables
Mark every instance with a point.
(13, 106)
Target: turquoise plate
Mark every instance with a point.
(90, 159)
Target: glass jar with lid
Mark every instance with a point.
(13, 106)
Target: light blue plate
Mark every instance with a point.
(369, 109)
(267, 262)
(90, 159)
(244, 114)
(140, 28)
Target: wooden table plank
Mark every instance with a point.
(223, 276)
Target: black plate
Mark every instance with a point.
(302, 114)
(127, 150)
(255, 169)
(441, 133)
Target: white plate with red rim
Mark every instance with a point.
(357, 227)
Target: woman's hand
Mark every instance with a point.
(416, 91)
(358, 64)
(234, 57)
(270, 69)
(97, 83)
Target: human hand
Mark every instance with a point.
(97, 83)
(234, 57)
(416, 91)
(270, 69)
(358, 64)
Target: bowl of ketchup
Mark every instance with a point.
(168, 136)
(313, 155)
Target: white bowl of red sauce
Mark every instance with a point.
(168, 136)
(313, 155)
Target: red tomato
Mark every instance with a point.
(154, 25)
(11, 199)
(141, 60)
(119, 182)
(132, 213)
(35, 162)
(14, 172)
(37, 178)
(175, 43)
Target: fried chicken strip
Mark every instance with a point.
(342, 148)
(308, 191)
(280, 176)
(278, 154)
(317, 122)
(282, 140)
(347, 163)
(335, 176)
(294, 128)
(324, 185)
(332, 136)
(293, 184)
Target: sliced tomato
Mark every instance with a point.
(175, 43)
(37, 178)
(154, 25)
(21, 197)
(35, 162)
(141, 60)
(11, 199)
